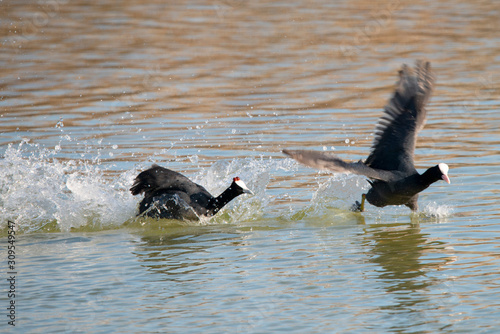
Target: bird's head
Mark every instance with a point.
(241, 186)
(443, 169)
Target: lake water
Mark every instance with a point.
(92, 93)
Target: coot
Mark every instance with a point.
(171, 195)
(390, 166)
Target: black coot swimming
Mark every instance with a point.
(390, 166)
(171, 195)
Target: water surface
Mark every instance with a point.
(93, 93)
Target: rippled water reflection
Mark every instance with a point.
(92, 93)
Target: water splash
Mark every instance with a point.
(333, 196)
(437, 211)
(257, 173)
(41, 193)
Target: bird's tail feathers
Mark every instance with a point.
(146, 181)
(139, 186)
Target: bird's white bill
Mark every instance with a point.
(244, 187)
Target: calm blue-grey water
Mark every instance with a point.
(92, 93)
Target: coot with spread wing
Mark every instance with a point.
(390, 165)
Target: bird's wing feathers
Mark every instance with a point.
(404, 116)
(158, 178)
(329, 161)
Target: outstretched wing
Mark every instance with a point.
(404, 116)
(329, 161)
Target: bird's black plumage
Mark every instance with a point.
(390, 165)
(171, 195)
